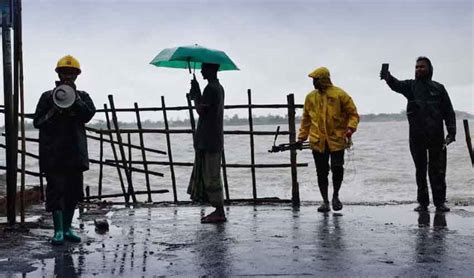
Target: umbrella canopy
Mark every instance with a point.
(187, 57)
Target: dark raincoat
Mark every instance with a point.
(428, 106)
(63, 142)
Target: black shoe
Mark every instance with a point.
(442, 208)
(336, 204)
(324, 207)
(421, 208)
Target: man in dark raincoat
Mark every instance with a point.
(428, 106)
(63, 149)
(206, 184)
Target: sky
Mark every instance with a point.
(274, 43)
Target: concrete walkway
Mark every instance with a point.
(257, 241)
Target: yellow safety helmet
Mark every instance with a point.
(68, 62)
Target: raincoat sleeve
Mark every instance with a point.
(44, 111)
(350, 110)
(449, 115)
(402, 87)
(84, 107)
(305, 120)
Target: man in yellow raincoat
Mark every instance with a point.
(329, 120)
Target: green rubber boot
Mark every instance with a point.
(58, 238)
(69, 233)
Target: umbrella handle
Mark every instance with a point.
(189, 66)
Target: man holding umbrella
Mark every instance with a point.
(206, 184)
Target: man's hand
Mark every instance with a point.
(385, 75)
(195, 91)
(449, 139)
(349, 132)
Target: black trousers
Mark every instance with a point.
(322, 169)
(429, 155)
(64, 190)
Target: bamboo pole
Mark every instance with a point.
(191, 115)
(231, 165)
(468, 140)
(142, 147)
(188, 131)
(19, 63)
(114, 151)
(181, 108)
(160, 191)
(252, 147)
(295, 193)
(118, 164)
(129, 140)
(121, 149)
(127, 145)
(41, 187)
(224, 173)
(11, 133)
(168, 145)
(101, 165)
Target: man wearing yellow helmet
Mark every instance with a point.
(329, 120)
(60, 117)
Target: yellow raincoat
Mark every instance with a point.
(327, 115)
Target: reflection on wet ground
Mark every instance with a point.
(256, 241)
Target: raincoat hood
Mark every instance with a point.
(323, 75)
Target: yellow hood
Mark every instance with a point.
(323, 75)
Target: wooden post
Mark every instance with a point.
(41, 186)
(129, 140)
(224, 174)
(252, 147)
(11, 133)
(101, 164)
(468, 140)
(168, 145)
(142, 147)
(191, 115)
(121, 149)
(19, 64)
(88, 193)
(114, 151)
(295, 191)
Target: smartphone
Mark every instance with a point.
(384, 70)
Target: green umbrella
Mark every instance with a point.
(187, 57)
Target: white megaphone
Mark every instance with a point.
(64, 96)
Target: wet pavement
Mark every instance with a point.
(264, 240)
